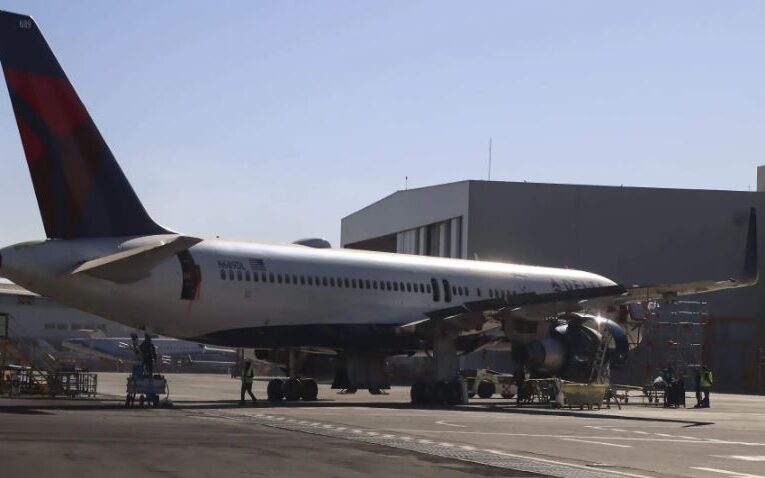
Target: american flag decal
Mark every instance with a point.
(257, 264)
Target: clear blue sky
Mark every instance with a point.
(272, 120)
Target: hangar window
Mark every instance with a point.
(347, 283)
(395, 286)
(255, 276)
(401, 286)
(271, 277)
(231, 274)
(339, 282)
(302, 280)
(50, 326)
(387, 285)
(263, 277)
(324, 281)
(366, 283)
(294, 279)
(247, 276)
(374, 284)
(409, 287)
(478, 291)
(223, 274)
(332, 282)
(239, 275)
(279, 278)
(353, 283)
(61, 326)
(286, 278)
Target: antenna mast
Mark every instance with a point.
(489, 158)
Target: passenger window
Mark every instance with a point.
(434, 283)
(230, 274)
(310, 280)
(247, 276)
(302, 280)
(286, 278)
(279, 278)
(454, 289)
(447, 291)
(239, 275)
(367, 284)
(374, 284)
(332, 282)
(395, 286)
(324, 281)
(347, 283)
(387, 285)
(478, 291)
(223, 274)
(353, 283)
(255, 276)
(409, 287)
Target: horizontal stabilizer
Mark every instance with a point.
(135, 263)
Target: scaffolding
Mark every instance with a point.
(673, 336)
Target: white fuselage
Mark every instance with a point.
(296, 286)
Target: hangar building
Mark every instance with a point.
(633, 235)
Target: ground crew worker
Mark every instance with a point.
(248, 375)
(706, 385)
(697, 384)
(148, 355)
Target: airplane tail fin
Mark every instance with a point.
(81, 190)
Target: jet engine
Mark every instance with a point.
(570, 349)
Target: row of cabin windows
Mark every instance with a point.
(244, 275)
(239, 275)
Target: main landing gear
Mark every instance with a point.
(446, 387)
(292, 389)
(438, 393)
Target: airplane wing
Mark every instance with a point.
(135, 263)
(472, 316)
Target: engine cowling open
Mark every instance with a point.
(569, 350)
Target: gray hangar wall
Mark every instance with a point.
(632, 235)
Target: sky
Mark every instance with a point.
(272, 120)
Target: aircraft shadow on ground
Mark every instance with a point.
(43, 407)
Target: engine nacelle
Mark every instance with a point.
(570, 349)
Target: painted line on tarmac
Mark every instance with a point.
(737, 474)
(597, 442)
(444, 422)
(742, 457)
(695, 441)
(488, 457)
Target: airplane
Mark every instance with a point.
(104, 254)
(121, 349)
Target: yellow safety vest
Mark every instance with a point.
(706, 379)
(248, 375)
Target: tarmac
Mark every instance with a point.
(207, 433)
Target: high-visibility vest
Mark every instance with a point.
(248, 375)
(706, 379)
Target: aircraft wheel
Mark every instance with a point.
(486, 389)
(375, 391)
(453, 392)
(417, 393)
(292, 389)
(275, 390)
(309, 390)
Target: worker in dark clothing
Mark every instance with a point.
(519, 377)
(706, 385)
(697, 384)
(148, 355)
(248, 376)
